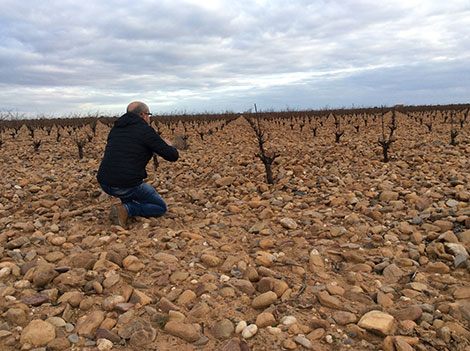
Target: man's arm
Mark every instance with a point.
(160, 146)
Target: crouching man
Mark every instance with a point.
(130, 146)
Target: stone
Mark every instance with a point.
(274, 330)
(265, 319)
(464, 237)
(178, 276)
(232, 345)
(392, 273)
(142, 336)
(187, 297)
(388, 196)
(111, 280)
(343, 318)
(36, 300)
(243, 285)
(72, 297)
(58, 344)
(38, 333)
(210, 260)
(103, 333)
(166, 305)
(224, 181)
(73, 338)
(84, 259)
(289, 320)
(437, 267)
(444, 225)
(132, 264)
(328, 300)
(384, 300)
(377, 322)
(316, 334)
(249, 331)
(334, 289)
(184, 331)
(139, 298)
(240, 326)
(412, 313)
(462, 293)
(104, 344)
(56, 322)
(43, 275)
(458, 329)
(223, 329)
(87, 325)
(167, 258)
(264, 300)
(288, 223)
(199, 311)
(445, 334)
(289, 344)
(303, 341)
(203, 340)
(110, 302)
(401, 344)
(16, 316)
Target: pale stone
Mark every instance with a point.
(288, 223)
(377, 321)
(249, 331)
(38, 333)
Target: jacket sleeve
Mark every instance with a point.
(155, 142)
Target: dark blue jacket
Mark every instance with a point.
(131, 144)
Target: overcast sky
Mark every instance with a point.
(79, 57)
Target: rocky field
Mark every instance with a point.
(342, 252)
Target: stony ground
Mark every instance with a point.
(343, 252)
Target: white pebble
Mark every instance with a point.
(224, 278)
(22, 284)
(289, 320)
(5, 272)
(104, 344)
(329, 339)
(240, 326)
(249, 331)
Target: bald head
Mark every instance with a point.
(140, 109)
(137, 107)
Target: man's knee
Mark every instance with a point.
(164, 208)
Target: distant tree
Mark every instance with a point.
(266, 158)
(386, 140)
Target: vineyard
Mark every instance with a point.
(324, 230)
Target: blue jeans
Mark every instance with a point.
(142, 200)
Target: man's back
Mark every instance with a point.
(131, 143)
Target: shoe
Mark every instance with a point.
(119, 215)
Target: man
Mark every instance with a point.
(131, 144)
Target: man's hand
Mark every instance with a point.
(167, 141)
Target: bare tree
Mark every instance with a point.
(386, 141)
(266, 158)
(453, 132)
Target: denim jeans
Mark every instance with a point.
(142, 200)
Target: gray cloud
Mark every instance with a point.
(73, 57)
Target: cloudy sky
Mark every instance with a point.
(62, 57)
